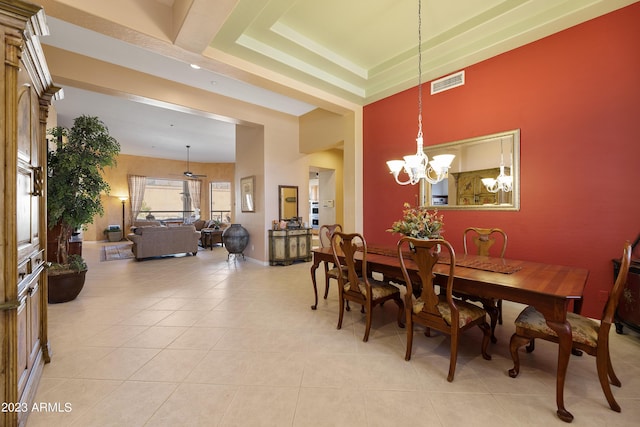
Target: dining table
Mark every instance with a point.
(550, 288)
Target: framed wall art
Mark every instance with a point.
(247, 185)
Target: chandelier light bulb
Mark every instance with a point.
(502, 182)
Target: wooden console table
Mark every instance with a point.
(287, 246)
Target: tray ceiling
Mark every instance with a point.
(293, 55)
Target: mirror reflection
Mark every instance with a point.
(288, 201)
(493, 158)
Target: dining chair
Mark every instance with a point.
(330, 272)
(483, 240)
(358, 286)
(588, 335)
(433, 310)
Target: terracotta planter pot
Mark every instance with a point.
(65, 287)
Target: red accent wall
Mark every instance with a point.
(575, 96)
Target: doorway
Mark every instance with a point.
(322, 197)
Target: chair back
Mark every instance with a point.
(425, 254)
(484, 239)
(616, 292)
(345, 247)
(326, 232)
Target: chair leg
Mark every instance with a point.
(494, 315)
(454, 357)
(531, 346)
(499, 305)
(368, 326)
(401, 314)
(612, 375)
(486, 330)
(340, 311)
(494, 321)
(326, 280)
(602, 364)
(610, 372)
(516, 342)
(407, 355)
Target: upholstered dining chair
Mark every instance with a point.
(438, 311)
(483, 240)
(588, 335)
(330, 272)
(358, 286)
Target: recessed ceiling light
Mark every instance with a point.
(195, 66)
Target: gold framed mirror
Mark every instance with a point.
(476, 159)
(288, 201)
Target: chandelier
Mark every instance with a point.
(417, 166)
(502, 182)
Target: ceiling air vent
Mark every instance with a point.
(447, 82)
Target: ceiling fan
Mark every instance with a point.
(188, 173)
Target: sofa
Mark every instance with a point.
(155, 241)
(145, 223)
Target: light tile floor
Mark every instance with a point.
(199, 341)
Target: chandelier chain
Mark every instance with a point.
(417, 166)
(419, 68)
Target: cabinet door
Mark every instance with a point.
(303, 246)
(30, 169)
(293, 247)
(629, 305)
(23, 343)
(470, 189)
(33, 306)
(277, 245)
(28, 326)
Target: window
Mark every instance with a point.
(220, 201)
(166, 199)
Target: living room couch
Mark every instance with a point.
(158, 241)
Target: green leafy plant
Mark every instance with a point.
(74, 263)
(75, 165)
(418, 222)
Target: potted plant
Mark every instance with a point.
(75, 163)
(418, 222)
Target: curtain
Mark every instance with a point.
(195, 187)
(137, 184)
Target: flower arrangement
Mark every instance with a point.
(418, 222)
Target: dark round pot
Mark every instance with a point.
(235, 239)
(65, 287)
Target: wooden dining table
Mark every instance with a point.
(549, 288)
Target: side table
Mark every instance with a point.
(210, 237)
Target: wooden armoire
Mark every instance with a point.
(27, 91)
